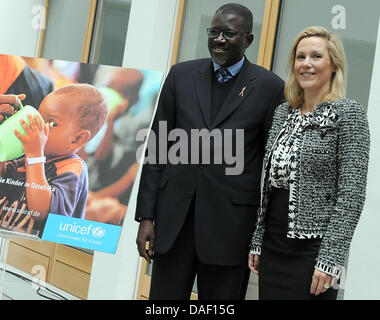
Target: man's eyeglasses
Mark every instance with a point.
(226, 34)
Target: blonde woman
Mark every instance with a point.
(314, 178)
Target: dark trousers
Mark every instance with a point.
(174, 272)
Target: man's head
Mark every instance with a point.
(230, 34)
(75, 113)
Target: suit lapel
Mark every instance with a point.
(203, 85)
(243, 86)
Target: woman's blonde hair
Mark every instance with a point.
(293, 92)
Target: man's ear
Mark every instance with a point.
(249, 39)
(81, 138)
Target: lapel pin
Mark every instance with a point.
(242, 92)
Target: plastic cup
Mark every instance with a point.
(10, 146)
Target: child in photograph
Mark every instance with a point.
(51, 177)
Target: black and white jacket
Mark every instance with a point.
(328, 183)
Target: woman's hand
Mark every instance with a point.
(8, 104)
(321, 282)
(253, 263)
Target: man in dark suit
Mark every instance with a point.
(198, 217)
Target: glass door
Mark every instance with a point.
(110, 32)
(67, 25)
(353, 21)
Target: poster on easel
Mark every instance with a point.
(68, 148)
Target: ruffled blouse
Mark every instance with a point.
(286, 151)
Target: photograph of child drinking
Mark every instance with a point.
(51, 177)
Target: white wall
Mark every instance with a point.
(18, 32)
(147, 46)
(150, 34)
(363, 277)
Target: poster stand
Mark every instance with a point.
(4, 245)
(5, 236)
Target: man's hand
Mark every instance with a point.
(36, 135)
(145, 234)
(8, 104)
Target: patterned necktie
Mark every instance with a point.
(223, 75)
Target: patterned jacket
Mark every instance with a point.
(328, 183)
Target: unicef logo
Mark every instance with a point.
(98, 232)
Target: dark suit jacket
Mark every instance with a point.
(225, 205)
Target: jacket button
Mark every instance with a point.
(201, 166)
(189, 195)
